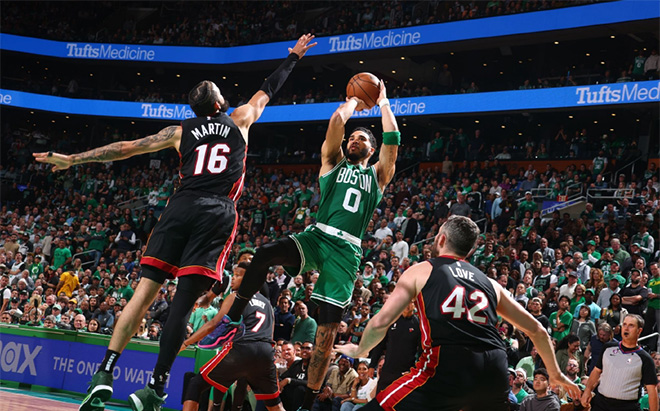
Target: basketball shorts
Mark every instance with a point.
(450, 378)
(336, 260)
(250, 360)
(193, 235)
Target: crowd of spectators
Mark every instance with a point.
(70, 251)
(226, 23)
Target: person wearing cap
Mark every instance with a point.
(634, 296)
(568, 289)
(593, 255)
(615, 283)
(337, 386)
(368, 273)
(645, 241)
(546, 280)
(57, 312)
(595, 309)
(605, 261)
(519, 385)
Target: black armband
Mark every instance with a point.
(275, 81)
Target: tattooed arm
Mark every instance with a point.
(167, 137)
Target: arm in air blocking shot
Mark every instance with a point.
(245, 115)
(165, 138)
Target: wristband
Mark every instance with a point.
(383, 102)
(392, 138)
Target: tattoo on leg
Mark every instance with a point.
(318, 364)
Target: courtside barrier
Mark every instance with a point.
(66, 360)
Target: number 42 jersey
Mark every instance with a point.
(212, 154)
(458, 303)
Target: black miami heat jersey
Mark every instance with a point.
(258, 319)
(459, 303)
(212, 154)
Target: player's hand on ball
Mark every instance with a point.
(383, 91)
(60, 161)
(361, 104)
(350, 350)
(303, 45)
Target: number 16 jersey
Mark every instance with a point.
(212, 154)
(459, 303)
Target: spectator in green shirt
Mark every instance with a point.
(61, 255)
(561, 320)
(528, 204)
(304, 328)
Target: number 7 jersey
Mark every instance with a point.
(458, 304)
(212, 152)
(349, 196)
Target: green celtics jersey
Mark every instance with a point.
(349, 196)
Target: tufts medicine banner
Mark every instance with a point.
(559, 19)
(514, 100)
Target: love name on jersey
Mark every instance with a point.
(211, 128)
(461, 273)
(352, 177)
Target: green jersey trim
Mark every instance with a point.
(331, 300)
(334, 168)
(302, 254)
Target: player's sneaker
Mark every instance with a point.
(225, 332)
(146, 399)
(99, 391)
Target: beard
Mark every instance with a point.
(356, 156)
(224, 106)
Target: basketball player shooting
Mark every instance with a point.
(196, 231)
(350, 192)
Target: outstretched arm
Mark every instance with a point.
(511, 311)
(210, 325)
(331, 152)
(386, 164)
(245, 115)
(165, 138)
(406, 289)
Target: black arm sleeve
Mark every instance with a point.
(220, 287)
(273, 83)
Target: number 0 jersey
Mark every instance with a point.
(212, 152)
(459, 303)
(349, 196)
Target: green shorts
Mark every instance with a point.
(336, 260)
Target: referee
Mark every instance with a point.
(622, 369)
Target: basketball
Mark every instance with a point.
(364, 86)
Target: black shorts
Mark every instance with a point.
(193, 235)
(450, 378)
(602, 403)
(250, 360)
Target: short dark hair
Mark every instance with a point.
(461, 233)
(564, 296)
(543, 372)
(372, 139)
(244, 265)
(202, 98)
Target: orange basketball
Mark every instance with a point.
(364, 86)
